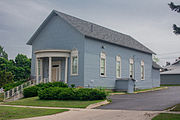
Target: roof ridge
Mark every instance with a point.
(87, 32)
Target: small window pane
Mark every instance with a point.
(142, 70)
(118, 67)
(131, 68)
(39, 69)
(74, 65)
(102, 66)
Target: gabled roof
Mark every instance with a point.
(156, 66)
(98, 32)
(175, 70)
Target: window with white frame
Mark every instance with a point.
(103, 65)
(74, 62)
(131, 68)
(142, 70)
(39, 65)
(118, 66)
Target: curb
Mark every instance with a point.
(91, 106)
(152, 90)
(140, 91)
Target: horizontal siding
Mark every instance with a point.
(170, 79)
(93, 48)
(58, 34)
(156, 77)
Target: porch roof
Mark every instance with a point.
(52, 53)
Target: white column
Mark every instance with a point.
(66, 67)
(50, 68)
(37, 79)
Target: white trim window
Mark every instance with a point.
(142, 71)
(74, 62)
(40, 67)
(131, 68)
(118, 67)
(103, 65)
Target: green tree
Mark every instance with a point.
(177, 9)
(3, 53)
(5, 78)
(155, 59)
(23, 65)
(22, 61)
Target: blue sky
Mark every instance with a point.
(148, 21)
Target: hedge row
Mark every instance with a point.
(56, 93)
(33, 91)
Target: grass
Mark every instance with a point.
(171, 85)
(167, 116)
(35, 101)
(136, 91)
(109, 92)
(151, 89)
(176, 108)
(7, 112)
(1, 97)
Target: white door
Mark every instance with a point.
(56, 71)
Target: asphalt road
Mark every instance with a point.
(151, 101)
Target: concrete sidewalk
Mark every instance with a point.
(97, 114)
(93, 114)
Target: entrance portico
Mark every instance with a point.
(51, 65)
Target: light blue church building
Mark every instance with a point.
(69, 49)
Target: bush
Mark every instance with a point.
(55, 93)
(27, 91)
(52, 84)
(9, 86)
(73, 85)
(5, 78)
(30, 91)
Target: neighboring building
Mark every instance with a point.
(171, 74)
(156, 74)
(68, 49)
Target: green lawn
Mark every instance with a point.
(1, 97)
(19, 112)
(167, 116)
(171, 85)
(35, 101)
(177, 108)
(151, 89)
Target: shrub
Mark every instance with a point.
(52, 84)
(9, 86)
(30, 91)
(55, 93)
(73, 85)
(27, 91)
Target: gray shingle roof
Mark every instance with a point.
(156, 66)
(101, 33)
(95, 31)
(175, 70)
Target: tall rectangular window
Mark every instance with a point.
(74, 65)
(118, 66)
(103, 65)
(39, 67)
(74, 62)
(142, 70)
(131, 68)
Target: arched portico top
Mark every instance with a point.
(52, 53)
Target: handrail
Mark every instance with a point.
(18, 89)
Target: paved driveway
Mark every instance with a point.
(157, 100)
